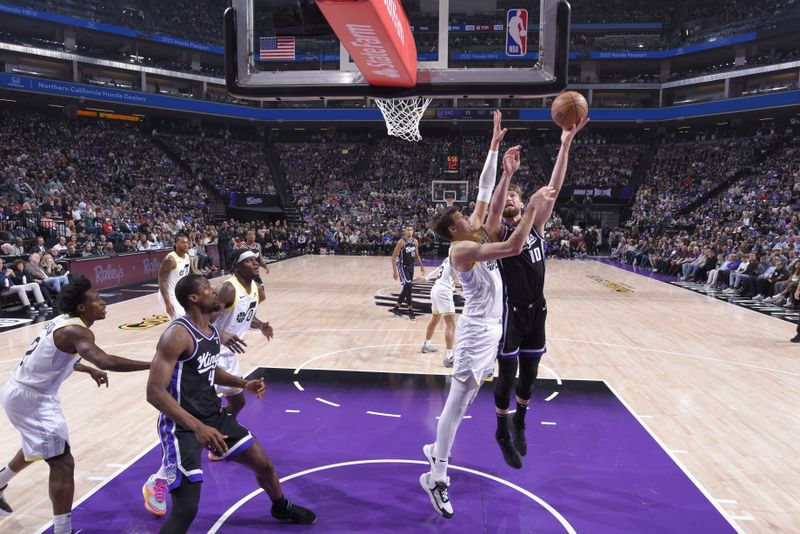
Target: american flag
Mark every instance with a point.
(276, 49)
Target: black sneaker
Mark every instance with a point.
(295, 514)
(396, 311)
(795, 339)
(5, 509)
(518, 437)
(510, 454)
(411, 316)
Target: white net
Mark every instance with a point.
(402, 115)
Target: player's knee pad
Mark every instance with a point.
(528, 371)
(507, 371)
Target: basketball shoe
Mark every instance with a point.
(292, 512)
(5, 509)
(448, 359)
(510, 454)
(155, 495)
(437, 492)
(427, 347)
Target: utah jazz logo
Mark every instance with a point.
(155, 320)
(246, 315)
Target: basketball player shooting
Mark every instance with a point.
(31, 400)
(181, 387)
(479, 330)
(524, 309)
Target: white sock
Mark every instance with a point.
(449, 353)
(458, 399)
(62, 524)
(6, 474)
(439, 470)
(427, 342)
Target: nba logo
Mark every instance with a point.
(517, 32)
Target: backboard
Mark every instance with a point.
(284, 49)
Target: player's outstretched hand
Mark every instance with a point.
(233, 342)
(101, 377)
(541, 197)
(569, 134)
(212, 439)
(171, 311)
(256, 386)
(498, 132)
(395, 275)
(266, 329)
(511, 160)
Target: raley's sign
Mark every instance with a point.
(377, 35)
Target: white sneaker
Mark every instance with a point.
(427, 347)
(437, 492)
(758, 298)
(448, 359)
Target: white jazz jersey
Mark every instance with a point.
(181, 269)
(236, 319)
(483, 292)
(480, 329)
(30, 399)
(44, 367)
(445, 277)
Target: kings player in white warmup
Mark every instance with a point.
(175, 266)
(31, 400)
(474, 260)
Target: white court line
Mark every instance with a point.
(96, 478)
(549, 423)
(97, 488)
(393, 345)
(329, 403)
(674, 353)
(555, 375)
(292, 411)
(552, 396)
(746, 517)
(678, 451)
(230, 511)
(465, 417)
(726, 501)
(116, 466)
(298, 386)
(645, 417)
(383, 414)
(677, 462)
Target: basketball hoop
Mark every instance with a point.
(402, 115)
(449, 199)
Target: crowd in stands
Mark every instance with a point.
(594, 163)
(746, 241)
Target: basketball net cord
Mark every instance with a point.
(402, 115)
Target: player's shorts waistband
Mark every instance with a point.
(29, 389)
(482, 320)
(523, 303)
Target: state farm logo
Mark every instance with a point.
(108, 273)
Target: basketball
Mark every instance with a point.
(568, 109)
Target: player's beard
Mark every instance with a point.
(510, 212)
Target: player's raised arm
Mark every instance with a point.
(559, 172)
(511, 163)
(464, 253)
(489, 173)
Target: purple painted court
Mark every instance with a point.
(349, 446)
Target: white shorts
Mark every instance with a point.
(179, 311)
(229, 363)
(39, 420)
(476, 349)
(442, 300)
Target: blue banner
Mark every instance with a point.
(109, 28)
(660, 54)
(75, 90)
(620, 26)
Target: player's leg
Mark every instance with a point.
(62, 490)
(449, 339)
(429, 331)
(533, 346)
(503, 385)
(185, 502)
(235, 403)
(282, 509)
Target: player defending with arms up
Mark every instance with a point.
(525, 309)
(181, 387)
(31, 396)
(479, 330)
